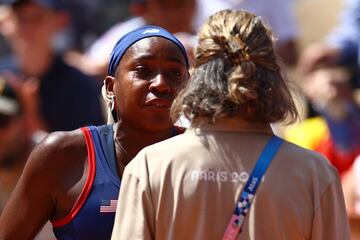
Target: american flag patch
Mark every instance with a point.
(108, 206)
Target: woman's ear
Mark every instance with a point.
(108, 95)
(109, 87)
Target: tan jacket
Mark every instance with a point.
(186, 188)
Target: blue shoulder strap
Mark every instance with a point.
(248, 193)
(106, 138)
(262, 164)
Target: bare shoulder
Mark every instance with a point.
(57, 162)
(60, 143)
(55, 165)
(57, 149)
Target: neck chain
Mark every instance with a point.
(121, 147)
(117, 142)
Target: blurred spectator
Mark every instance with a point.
(68, 99)
(330, 89)
(181, 17)
(14, 146)
(280, 15)
(341, 47)
(336, 132)
(85, 28)
(4, 46)
(331, 92)
(15, 142)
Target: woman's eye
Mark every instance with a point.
(175, 73)
(142, 72)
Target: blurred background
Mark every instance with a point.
(54, 54)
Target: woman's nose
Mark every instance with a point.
(160, 84)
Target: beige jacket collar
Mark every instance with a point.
(233, 124)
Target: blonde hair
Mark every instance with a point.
(235, 73)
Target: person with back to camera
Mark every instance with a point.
(191, 192)
(73, 178)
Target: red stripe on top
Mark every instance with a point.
(88, 184)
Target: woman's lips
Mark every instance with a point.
(159, 103)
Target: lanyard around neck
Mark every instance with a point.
(248, 193)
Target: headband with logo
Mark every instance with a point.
(132, 37)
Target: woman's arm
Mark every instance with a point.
(35, 199)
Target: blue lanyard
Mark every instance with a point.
(248, 193)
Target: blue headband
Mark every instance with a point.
(132, 37)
